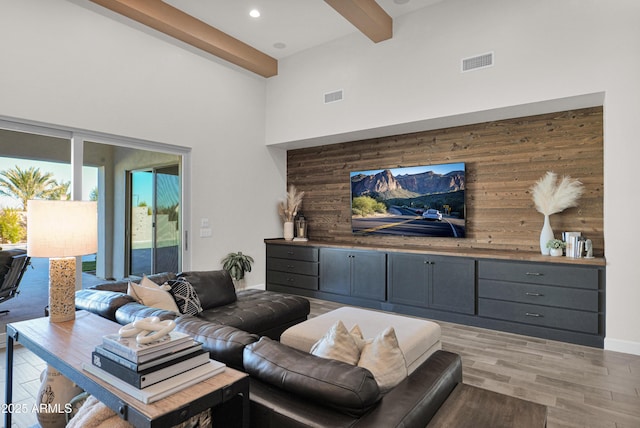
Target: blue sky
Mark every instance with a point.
(61, 172)
(438, 169)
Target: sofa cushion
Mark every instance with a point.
(153, 295)
(348, 389)
(185, 296)
(135, 311)
(214, 288)
(266, 313)
(224, 343)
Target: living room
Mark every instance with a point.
(70, 64)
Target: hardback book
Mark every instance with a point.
(148, 363)
(130, 349)
(148, 377)
(161, 389)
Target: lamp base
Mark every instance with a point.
(62, 289)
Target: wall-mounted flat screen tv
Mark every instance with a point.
(410, 201)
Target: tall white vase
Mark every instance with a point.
(288, 230)
(546, 234)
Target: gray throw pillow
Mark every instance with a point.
(214, 288)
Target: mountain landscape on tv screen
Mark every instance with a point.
(415, 201)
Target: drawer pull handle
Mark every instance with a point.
(290, 279)
(534, 294)
(532, 314)
(291, 253)
(533, 274)
(290, 266)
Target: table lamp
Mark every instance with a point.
(61, 230)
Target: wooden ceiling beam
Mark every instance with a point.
(182, 26)
(367, 16)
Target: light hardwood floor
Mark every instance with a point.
(582, 386)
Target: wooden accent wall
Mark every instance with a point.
(503, 160)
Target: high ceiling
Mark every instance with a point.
(299, 24)
(225, 28)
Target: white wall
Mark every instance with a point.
(67, 63)
(549, 55)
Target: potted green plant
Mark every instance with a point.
(237, 264)
(555, 247)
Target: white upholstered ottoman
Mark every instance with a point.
(417, 338)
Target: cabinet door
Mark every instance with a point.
(408, 279)
(335, 271)
(452, 284)
(368, 274)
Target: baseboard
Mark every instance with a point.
(257, 287)
(618, 345)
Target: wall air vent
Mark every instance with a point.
(332, 97)
(477, 62)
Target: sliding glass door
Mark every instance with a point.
(154, 220)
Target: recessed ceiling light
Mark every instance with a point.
(401, 1)
(255, 13)
(279, 45)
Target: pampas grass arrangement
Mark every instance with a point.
(289, 209)
(551, 197)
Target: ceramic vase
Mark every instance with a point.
(546, 235)
(288, 231)
(555, 252)
(54, 396)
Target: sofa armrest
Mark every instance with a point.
(417, 399)
(345, 388)
(102, 302)
(122, 285)
(115, 286)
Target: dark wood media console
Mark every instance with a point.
(556, 298)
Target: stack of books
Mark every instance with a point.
(149, 372)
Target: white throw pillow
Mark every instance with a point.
(358, 337)
(153, 295)
(384, 359)
(337, 344)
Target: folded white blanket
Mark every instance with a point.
(94, 414)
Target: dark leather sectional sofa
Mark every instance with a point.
(289, 388)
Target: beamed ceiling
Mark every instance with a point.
(224, 28)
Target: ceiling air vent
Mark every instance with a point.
(332, 97)
(477, 62)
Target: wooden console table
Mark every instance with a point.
(68, 345)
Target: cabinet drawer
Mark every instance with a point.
(293, 252)
(539, 273)
(566, 319)
(573, 298)
(292, 280)
(293, 266)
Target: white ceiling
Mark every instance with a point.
(299, 24)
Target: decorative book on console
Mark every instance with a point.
(161, 389)
(149, 360)
(129, 348)
(145, 378)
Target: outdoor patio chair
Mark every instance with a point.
(13, 263)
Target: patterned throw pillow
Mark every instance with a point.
(185, 296)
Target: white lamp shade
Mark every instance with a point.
(61, 228)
